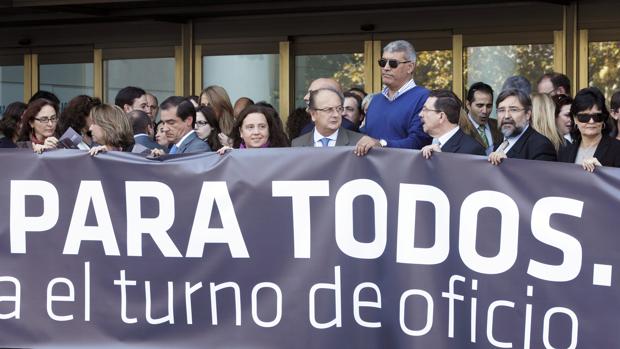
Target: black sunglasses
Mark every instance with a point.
(597, 117)
(392, 62)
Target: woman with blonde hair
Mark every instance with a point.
(543, 119)
(217, 98)
(111, 129)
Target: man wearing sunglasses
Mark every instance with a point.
(393, 117)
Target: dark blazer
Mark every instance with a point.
(345, 138)
(469, 129)
(146, 141)
(463, 144)
(607, 152)
(532, 146)
(193, 144)
(6, 142)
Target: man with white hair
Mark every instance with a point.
(393, 117)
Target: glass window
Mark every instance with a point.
(11, 85)
(155, 75)
(604, 66)
(254, 76)
(66, 80)
(434, 69)
(493, 64)
(348, 69)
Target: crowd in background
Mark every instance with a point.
(549, 123)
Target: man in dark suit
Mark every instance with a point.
(178, 116)
(440, 117)
(477, 123)
(325, 107)
(521, 141)
(143, 129)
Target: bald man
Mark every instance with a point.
(327, 83)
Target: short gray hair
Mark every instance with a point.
(401, 46)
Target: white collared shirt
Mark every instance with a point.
(178, 144)
(406, 87)
(446, 136)
(317, 139)
(487, 132)
(515, 139)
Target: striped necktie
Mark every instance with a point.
(483, 135)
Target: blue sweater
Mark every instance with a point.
(398, 121)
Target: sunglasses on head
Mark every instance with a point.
(392, 62)
(597, 117)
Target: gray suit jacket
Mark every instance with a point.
(345, 138)
(193, 144)
(146, 141)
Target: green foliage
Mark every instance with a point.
(494, 64)
(604, 66)
(434, 69)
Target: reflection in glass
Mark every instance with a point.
(253, 76)
(604, 66)
(154, 75)
(66, 80)
(11, 85)
(434, 69)
(348, 69)
(493, 64)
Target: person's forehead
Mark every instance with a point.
(430, 101)
(141, 99)
(394, 55)
(46, 110)
(511, 101)
(255, 118)
(480, 96)
(327, 97)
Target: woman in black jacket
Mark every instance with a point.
(592, 145)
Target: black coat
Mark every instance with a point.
(607, 152)
(463, 144)
(532, 146)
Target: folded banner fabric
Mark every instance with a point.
(306, 248)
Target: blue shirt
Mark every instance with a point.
(398, 121)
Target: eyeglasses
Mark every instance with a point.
(330, 110)
(511, 110)
(46, 119)
(392, 62)
(597, 117)
(426, 110)
(201, 123)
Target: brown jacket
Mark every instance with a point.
(470, 130)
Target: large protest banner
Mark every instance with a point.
(306, 248)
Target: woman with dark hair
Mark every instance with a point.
(10, 124)
(111, 129)
(563, 119)
(256, 127)
(38, 125)
(207, 127)
(295, 122)
(160, 136)
(76, 115)
(592, 146)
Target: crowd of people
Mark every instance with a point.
(547, 124)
